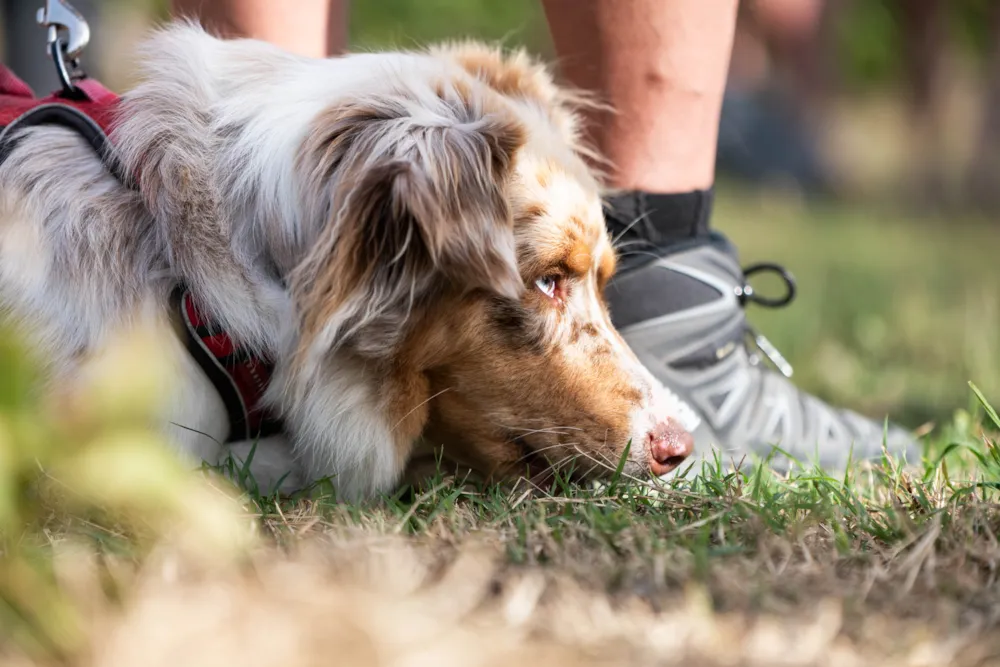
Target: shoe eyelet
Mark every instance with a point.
(745, 292)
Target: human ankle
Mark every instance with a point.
(645, 223)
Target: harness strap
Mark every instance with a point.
(71, 118)
(90, 112)
(94, 91)
(240, 377)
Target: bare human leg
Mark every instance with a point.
(315, 28)
(662, 66)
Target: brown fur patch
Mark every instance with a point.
(533, 211)
(496, 389)
(543, 174)
(513, 73)
(578, 259)
(606, 269)
(404, 397)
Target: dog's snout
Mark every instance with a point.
(669, 444)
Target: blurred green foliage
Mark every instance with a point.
(92, 461)
(404, 23)
(869, 40)
(869, 43)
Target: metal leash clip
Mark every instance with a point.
(68, 36)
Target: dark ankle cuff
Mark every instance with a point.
(647, 224)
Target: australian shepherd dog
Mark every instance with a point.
(412, 240)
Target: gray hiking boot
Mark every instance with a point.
(683, 316)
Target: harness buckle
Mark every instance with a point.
(68, 36)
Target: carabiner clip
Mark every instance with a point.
(60, 18)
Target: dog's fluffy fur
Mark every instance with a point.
(413, 237)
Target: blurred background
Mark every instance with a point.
(859, 145)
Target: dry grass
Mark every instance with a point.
(344, 594)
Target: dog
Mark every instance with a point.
(413, 241)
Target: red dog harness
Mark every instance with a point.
(240, 378)
(90, 112)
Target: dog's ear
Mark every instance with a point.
(418, 204)
(439, 201)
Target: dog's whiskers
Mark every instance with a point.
(639, 253)
(418, 406)
(614, 241)
(636, 242)
(541, 451)
(554, 430)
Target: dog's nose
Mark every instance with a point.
(669, 445)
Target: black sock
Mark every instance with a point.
(647, 225)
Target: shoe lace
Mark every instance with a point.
(746, 295)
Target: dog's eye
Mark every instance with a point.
(547, 285)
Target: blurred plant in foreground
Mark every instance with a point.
(94, 455)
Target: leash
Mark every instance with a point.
(68, 35)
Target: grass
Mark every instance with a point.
(113, 555)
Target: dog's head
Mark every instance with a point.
(459, 268)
